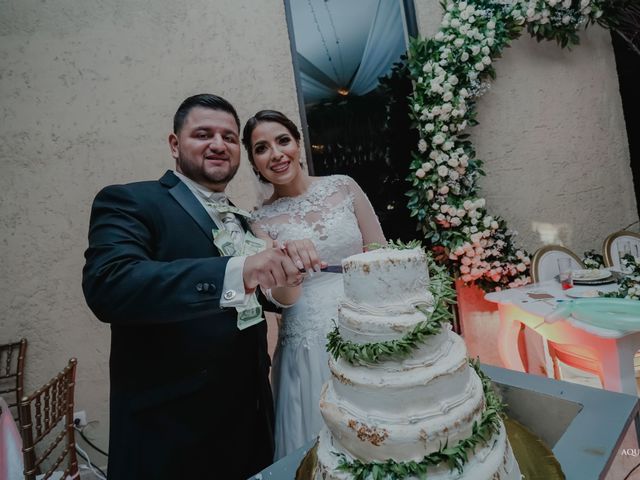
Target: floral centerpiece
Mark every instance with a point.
(629, 285)
(450, 72)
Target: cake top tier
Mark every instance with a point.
(386, 276)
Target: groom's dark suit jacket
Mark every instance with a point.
(190, 395)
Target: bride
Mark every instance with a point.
(335, 214)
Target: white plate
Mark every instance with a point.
(582, 292)
(590, 274)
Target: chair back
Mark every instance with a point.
(47, 417)
(12, 358)
(614, 247)
(544, 265)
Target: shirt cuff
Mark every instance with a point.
(269, 296)
(233, 293)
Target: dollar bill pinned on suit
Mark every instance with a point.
(250, 313)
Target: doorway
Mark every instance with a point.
(352, 91)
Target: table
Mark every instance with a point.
(583, 426)
(614, 349)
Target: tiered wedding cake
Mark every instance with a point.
(403, 415)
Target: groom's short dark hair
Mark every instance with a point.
(205, 100)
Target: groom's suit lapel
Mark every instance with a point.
(181, 193)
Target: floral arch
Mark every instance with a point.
(450, 71)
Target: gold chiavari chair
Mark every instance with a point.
(12, 358)
(47, 417)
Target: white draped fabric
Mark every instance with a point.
(346, 45)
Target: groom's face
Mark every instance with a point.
(207, 147)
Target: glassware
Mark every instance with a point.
(564, 270)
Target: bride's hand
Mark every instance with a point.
(304, 255)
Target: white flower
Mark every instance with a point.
(458, 42)
(491, 24)
(479, 203)
(583, 3)
(427, 67)
(521, 267)
(566, 19)
(462, 6)
(486, 221)
(443, 190)
(479, 66)
(444, 208)
(453, 162)
(464, 93)
(461, 212)
(486, 60)
(472, 19)
(464, 162)
(427, 166)
(447, 146)
(444, 128)
(464, 15)
(490, 42)
(453, 175)
(456, 222)
(475, 49)
(439, 36)
(429, 195)
(433, 155)
(443, 170)
(422, 145)
(486, 50)
(420, 173)
(429, 127)
(494, 225)
(566, 3)
(468, 204)
(473, 229)
(446, 108)
(447, 96)
(453, 80)
(455, 23)
(464, 57)
(436, 110)
(438, 139)
(439, 217)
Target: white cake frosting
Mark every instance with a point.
(402, 409)
(385, 277)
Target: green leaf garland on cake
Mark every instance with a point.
(450, 72)
(370, 353)
(455, 456)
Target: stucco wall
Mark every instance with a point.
(553, 139)
(88, 93)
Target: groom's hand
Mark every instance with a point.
(270, 268)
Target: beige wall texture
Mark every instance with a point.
(88, 90)
(88, 94)
(553, 138)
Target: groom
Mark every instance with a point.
(190, 394)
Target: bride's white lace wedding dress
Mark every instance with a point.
(336, 215)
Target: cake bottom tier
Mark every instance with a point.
(491, 461)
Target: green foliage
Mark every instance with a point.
(370, 353)
(455, 456)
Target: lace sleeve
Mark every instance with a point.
(367, 219)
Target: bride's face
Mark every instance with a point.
(276, 153)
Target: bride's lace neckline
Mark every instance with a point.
(306, 193)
